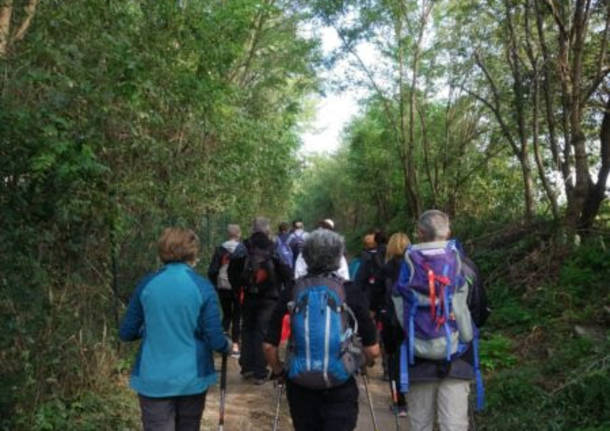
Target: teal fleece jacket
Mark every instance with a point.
(176, 313)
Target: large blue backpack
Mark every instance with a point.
(324, 348)
(433, 310)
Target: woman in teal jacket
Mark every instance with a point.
(176, 314)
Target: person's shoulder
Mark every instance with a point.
(240, 251)
(202, 283)
(148, 276)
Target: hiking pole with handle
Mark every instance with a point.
(279, 390)
(223, 392)
(370, 400)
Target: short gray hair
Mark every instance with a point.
(323, 250)
(434, 226)
(261, 224)
(233, 230)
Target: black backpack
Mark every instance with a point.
(259, 270)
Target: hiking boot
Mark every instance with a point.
(259, 381)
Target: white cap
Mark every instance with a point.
(330, 223)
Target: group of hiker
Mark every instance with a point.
(421, 302)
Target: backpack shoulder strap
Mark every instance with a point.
(409, 261)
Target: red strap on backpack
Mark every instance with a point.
(442, 282)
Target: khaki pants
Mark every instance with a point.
(449, 397)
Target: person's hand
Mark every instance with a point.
(278, 374)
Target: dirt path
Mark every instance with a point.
(251, 408)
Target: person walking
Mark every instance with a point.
(263, 276)
(175, 313)
(282, 245)
(324, 352)
(296, 239)
(225, 273)
(369, 277)
(391, 332)
(439, 351)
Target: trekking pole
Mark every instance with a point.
(223, 392)
(370, 400)
(395, 401)
(279, 390)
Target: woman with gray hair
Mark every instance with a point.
(437, 369)
(323, 351)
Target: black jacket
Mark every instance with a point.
(392, 331)
(236, 264)
(370, 277)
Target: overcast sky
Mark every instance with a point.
(334, 110)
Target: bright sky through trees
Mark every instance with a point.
(334, 110)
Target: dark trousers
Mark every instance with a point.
(394, 373)
(256, 315)
(334, 409)
(392, 337)
(231, 313)
(172, 413)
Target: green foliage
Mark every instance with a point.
(116, 120)
(545, 374)
(496, 353)
(92, 411)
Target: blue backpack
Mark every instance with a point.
(284, 251)
(435, 315)
(324, 349)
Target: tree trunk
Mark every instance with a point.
(535, 88)
(550, 193)
(6, 12)
(597, 193)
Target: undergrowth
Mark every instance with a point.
(546, 346)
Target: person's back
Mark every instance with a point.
(282, 245)
(264, 274)
(172, 300)
(370, 274)
(225, 272)
(296, 239)
(439, 347)
(321, 389)
(176, 314)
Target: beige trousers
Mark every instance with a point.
(449, 397)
